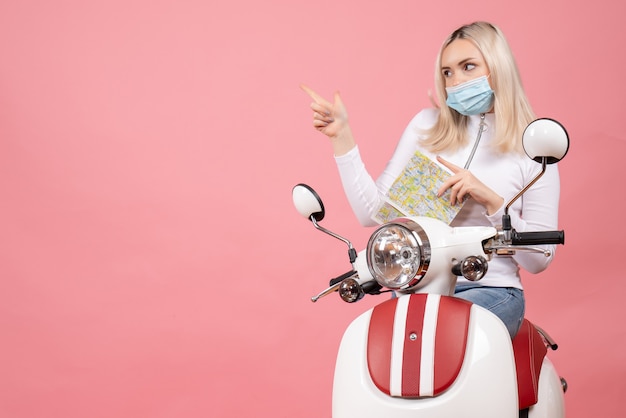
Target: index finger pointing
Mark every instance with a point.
(316, 97)
(449, 165)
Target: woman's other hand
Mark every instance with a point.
(462, 184)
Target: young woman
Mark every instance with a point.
(476, 134)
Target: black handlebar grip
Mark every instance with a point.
(334, 281)
(538, 238)
(341, 278)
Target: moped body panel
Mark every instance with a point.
(416, 344)
(551, 402)
(485, 385)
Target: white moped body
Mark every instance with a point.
(485, 384)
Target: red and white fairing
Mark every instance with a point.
(427, 355)
(449, 369)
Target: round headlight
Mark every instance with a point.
(398, 254)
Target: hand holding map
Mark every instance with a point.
(414, 193)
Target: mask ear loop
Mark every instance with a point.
(480, 133)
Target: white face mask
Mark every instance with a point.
(472, 97)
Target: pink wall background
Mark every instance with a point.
(151, 263)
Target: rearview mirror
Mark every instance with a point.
(307, 202)
(545, 138)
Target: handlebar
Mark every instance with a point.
(538, 238)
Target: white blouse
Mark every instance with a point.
(506, 174)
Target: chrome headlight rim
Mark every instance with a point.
(422, 247)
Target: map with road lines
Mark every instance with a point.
(414, 193)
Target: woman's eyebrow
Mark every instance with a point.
(463, 61)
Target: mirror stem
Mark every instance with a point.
(506, 218)
(351, 251)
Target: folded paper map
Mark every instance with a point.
(414, 193)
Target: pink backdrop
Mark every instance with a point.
(151, 262)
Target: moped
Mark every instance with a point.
(423, 352)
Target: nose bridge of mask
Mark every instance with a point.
(468, 84)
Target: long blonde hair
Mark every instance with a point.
(512, 110)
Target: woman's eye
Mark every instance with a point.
(446, 73)
(469, 67)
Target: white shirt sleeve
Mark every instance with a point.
(365, 195)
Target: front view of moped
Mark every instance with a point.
(422, 352)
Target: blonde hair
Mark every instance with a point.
(512, 110)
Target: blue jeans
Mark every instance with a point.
(506, 302)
